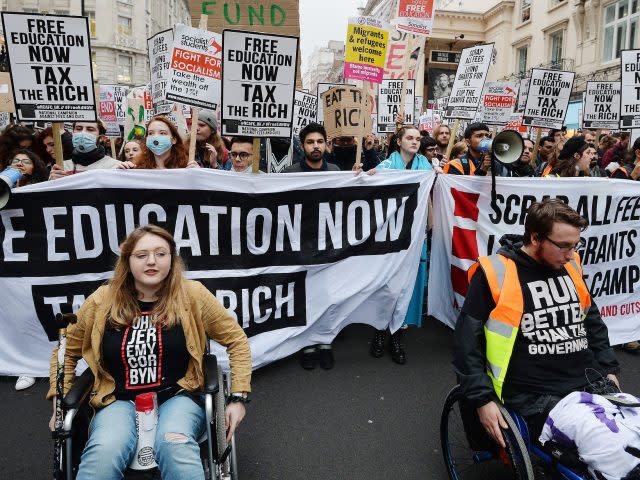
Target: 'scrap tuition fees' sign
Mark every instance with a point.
(258, 84)
(51, 72)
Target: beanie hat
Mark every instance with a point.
(572, 146)
(209, 117)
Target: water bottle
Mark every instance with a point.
(146, 422)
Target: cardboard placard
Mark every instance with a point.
(341, 107)
(321, 89)
(108, 111)
(160, 49)
(601, 105)
(548, 98)
(196, 68)
(630, 89)
(415, 16)
(466, 92)
(258, 84)
(51, 70)
(366, 49)
(389, 93)
(305, 110)
(498, 100)
(6, 93)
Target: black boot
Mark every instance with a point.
(395, 346)
(308, 358)
(377, 343)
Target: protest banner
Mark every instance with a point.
(548, 98)
(321, 89)
(342, 110)
(389, 94)
(630, 89)
(394, 65)
(305, 110)
(366, 49)
(51, 71)
(196, 68)
(6, 93)
(314, 240)
(498, 100)
(601, 104)
(108, 111)
(523, 93)
(120, 93)
(415, 16)
(466, 226)
(160, 51)
(418, 106)
(258, 84)
(466, 92)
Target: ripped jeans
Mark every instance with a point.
(113, 440)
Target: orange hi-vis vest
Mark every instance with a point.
(546, 171)
(501, 329)
(460, 166)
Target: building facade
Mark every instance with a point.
(324, 65)
(119, 30)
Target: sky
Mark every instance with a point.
(324, 20)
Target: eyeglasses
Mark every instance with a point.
(243, 155)
(144, 255)
(568, 248)
(23, 161)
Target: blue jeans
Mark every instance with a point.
(113, 440)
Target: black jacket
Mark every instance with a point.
(470, 346)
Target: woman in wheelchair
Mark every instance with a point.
(146, 331)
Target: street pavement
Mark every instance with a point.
(365, 419)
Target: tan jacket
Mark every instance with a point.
(204, 317)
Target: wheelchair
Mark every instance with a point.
(470, 453)
(218, 462)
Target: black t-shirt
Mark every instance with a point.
(144, 357)
(551, 354)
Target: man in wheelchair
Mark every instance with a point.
(529, 334)
(146, 332)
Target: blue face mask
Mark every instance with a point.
(159, 144)
(84, 142)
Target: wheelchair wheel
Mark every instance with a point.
(469, 453)
(221, 433)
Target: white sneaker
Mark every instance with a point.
(24, 382)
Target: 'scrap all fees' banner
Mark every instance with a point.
(630, 95)
(258, 84)
(285, 255)
(467, 226)
(498, 100)
(50, 61)
(389, 96)
(466, 92)
(160, 50)
(305, 110)
(342, 107)
(321, 89)
(548, 98)
(196, 68)
(108, 111)
(601, 106)
(366, 49)
(415, 16)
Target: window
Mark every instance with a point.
(525, 9)
(521, 57)
(620, 28)
(555, 42)
(124, 25)
(92, 23)
(125, 68)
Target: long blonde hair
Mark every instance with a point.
(171, 295)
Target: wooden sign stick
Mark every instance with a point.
(57, 143)
(195, 111)
(363, 122)
(405, 80)
(536, 147)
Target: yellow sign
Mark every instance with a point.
(366, 49)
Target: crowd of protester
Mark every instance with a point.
(85, 147)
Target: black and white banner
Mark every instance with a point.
(601, 105)
(294, 258)
(467, 226)
(548, 98)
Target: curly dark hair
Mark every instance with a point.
(10, 140)
(40, 172)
